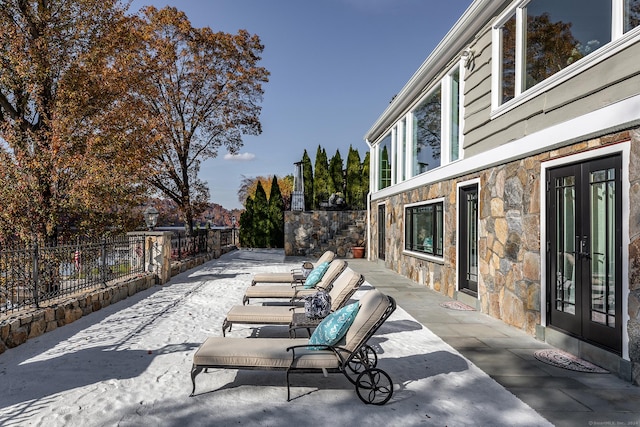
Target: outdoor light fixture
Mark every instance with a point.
(468, 57)
(233, 221)
(151, 217)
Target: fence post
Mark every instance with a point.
(35, 273)
(103, 259)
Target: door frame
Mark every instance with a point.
(624, 149)
(460, 185)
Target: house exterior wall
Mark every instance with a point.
(510, 272)
(580, 113)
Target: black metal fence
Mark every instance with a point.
(183, 246)
(33, 274)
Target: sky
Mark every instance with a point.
(335, 65)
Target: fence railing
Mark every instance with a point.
(33, 274)
(183, 246)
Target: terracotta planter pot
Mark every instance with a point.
(357, 251)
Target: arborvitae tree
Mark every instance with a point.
(354, 179)
(307, 175)
(246, 225)
(276, 215)
(335, 170)
(322, 183)
(261, 223)
(365, 180)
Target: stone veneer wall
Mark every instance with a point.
(509, 241)
(314, 232)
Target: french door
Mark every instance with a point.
(468, 235)
(584, 250)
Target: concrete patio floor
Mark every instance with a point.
(129, 365)
(562, 396)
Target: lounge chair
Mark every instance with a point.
(296, 292)
(295, 275)
(351, 356)
(343, 288)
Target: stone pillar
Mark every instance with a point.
(157, 253)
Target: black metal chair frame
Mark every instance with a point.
(373, 385)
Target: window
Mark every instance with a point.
(631, 14)
(424, 228)
(384, 163)
(427, 137)
(454, 114)
(402, 138)
(427, 133)
(540, 38)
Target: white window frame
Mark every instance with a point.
(619, 42)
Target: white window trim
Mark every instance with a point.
(422, 255)
(618, 43)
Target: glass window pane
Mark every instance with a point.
(565, 243)
(403, 143)
(427, 133)
(455, 115)
(384, 165)
(631, 14)
(508, 34)
(559, 33)
(602, 250)
(423, 228)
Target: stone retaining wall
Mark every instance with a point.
(311, 233)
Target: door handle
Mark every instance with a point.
(583, 246)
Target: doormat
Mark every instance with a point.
(457, 305)
(562, 359)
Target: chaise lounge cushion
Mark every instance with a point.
(261, 353)
(343, 288)
(336, 267)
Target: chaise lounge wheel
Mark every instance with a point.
(374, 386)
(365, 358)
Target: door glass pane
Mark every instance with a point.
(602, 249)
(565, 242)
(472, 236)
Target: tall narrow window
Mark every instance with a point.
(402, 137)
(384, 165)
(454, 119)
(427, 133)
(508, 44)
